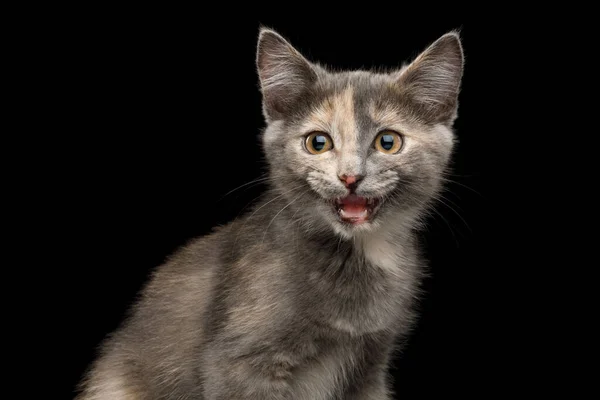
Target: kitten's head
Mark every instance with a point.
(357, 150)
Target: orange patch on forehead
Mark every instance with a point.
(336, 116)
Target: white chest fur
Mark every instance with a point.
(380, 252)
(386, 249)
(380, 303)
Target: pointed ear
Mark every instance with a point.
(284, 74)
(431, 83)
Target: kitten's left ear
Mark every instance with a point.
(284, 74)
(432, 81)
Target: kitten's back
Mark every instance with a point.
(163, 331)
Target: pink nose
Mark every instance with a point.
(350, 180)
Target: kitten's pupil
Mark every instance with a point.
(319, 142)
(387, 141)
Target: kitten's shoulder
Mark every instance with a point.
(197, 254)
(181, 286)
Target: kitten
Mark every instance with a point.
(305, 297)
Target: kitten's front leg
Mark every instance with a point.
(371, 389)
(254, 377)
(369, 380)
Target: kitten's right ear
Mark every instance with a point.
(284, 74)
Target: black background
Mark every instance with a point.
(162, 120)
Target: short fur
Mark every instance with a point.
(288, 302)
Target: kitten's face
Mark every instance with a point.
(353, 151)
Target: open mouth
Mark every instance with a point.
(355, 209)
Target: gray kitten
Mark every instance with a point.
(306, 296)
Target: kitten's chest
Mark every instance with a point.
(325, 374)
(367, 289)
(339, 364)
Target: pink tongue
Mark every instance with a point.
(354, 206)
(353, 211)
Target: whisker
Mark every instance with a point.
(273, 199)
(245, 184)
(463, 185)
(259, 208)
(440, 199)
(447, 173)
(246, 206)
(280, 211)
(433, 212)
(448, 199)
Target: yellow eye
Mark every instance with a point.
(318, 143)
(388, 142)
